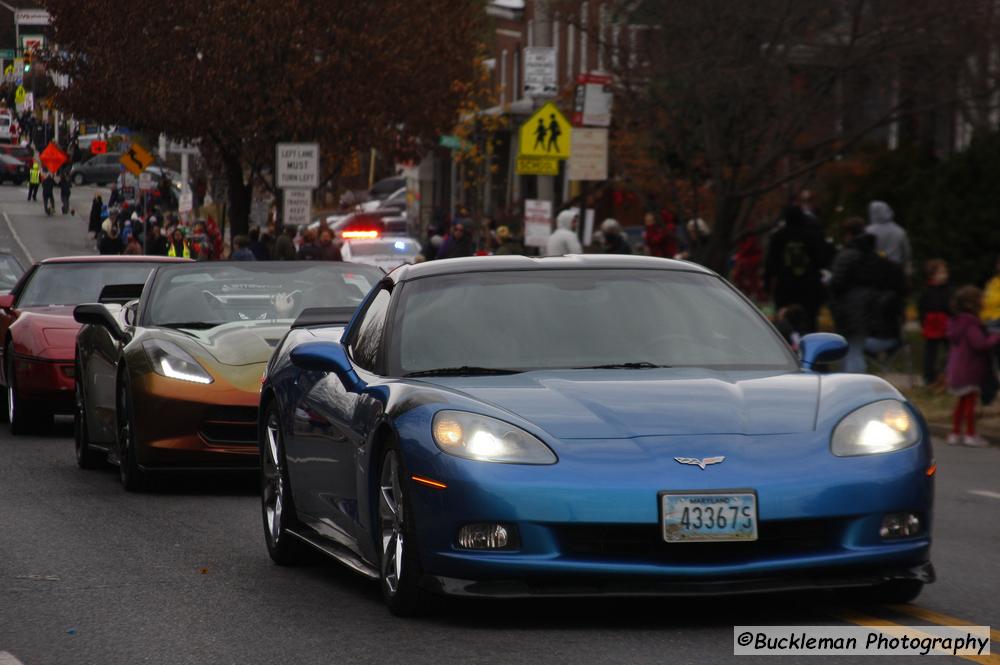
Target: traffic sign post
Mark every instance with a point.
(136, 159)
(296, 206)
(590, 155)
(537, 222)
(547, 133)
(297, 166)
(540, 71)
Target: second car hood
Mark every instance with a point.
(605, 404)
(239, 343)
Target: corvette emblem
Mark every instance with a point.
(700, 462)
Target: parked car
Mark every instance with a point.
(99, 169)
(502, 427)
(22, 152)
(12, 170)
(8, 128)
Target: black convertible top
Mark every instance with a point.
(324, 316)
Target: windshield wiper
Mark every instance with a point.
(465, 370)
(191, 325)
(638, 365)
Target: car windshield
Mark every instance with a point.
(202, 295)
(527, 320)
(76, 283)
(10, 272)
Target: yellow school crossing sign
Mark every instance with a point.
(20, 95)
(544, 139)
(546, 134)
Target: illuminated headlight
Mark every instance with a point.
(879, 427)
(487, 439)
(173, 362)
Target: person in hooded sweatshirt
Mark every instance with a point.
(563, 240)
(891, 240)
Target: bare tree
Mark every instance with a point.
(737, 100)
(246, 74)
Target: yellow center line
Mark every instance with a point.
(938, 618)
(898, 630)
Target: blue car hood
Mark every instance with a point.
(606, 404)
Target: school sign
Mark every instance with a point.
(545, 139)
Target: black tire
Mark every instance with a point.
(24, 416)
(399, 576)
(78, 179)
(277, 508)
(86, 457)
(133, 478)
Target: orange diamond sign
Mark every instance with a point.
(53, 158)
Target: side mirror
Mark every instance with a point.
(97, 315)
(328, 357)
(821, 348)
(131, 313)
(6, 301)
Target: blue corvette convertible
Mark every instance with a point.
(586, 425)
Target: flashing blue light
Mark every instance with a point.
(400, 245)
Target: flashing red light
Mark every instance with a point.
(360, 235)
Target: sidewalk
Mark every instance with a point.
(937, 408)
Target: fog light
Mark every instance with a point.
(485, 537)
(900, 525)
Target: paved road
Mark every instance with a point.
(92, 575)
(26, 231)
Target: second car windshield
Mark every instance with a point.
(76, 283)
(197, 296)
(633, 319)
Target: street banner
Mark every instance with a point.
(537, 222)
(296, 207)
(540, 71)
(590, 155)
(297, 166)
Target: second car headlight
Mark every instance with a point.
(173, 362)
(486, 439)
(879, 427)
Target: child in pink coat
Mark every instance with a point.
(969, 362)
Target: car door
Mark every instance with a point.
(327, 434)
(110, 168)
(99, 354)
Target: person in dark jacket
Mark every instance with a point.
(111, 242)
(309, 251)
(241, 249)
(96, 208)
(935, 311)
(49, 193)
(614, 238)
(284, 246)
(258, 248)
(460, 243)
(795, 257)
(328, 250)
(507, 244)
(157, 244)
(65, 189)
(866, 296)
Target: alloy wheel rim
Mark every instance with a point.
(273, 494)
(391, 516)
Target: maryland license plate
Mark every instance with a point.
(708, 516)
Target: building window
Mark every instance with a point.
(518, 90)
(570, 46)
(602, 29)
(584, 29)
(503, 77)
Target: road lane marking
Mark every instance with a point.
(938, 618)
(17, 238)
(898, 630)
(986, 493)
(8, 659)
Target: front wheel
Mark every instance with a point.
(276, 505)
(133, 478)
(78, 179)
(24, 416)
(399, 569)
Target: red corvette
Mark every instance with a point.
(38, 332)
